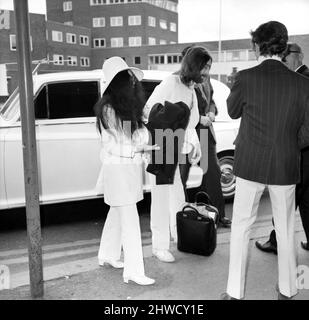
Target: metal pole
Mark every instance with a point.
(29, 148)
(219, 49)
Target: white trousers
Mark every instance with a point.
(246, 202)
(122, 229)
(166, 201)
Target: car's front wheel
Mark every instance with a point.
(228, 180)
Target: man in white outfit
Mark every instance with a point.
(168, 199)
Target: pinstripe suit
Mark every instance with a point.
(273, 103)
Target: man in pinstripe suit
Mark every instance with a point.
(273, 103)
(294, 60)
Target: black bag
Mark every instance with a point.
(197, 227)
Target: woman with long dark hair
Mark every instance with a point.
(169, 198)
(124, 140)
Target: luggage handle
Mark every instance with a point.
(202, 193)
(191, 208)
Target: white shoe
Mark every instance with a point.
(164, 255)
(141, 280)
(114, 263)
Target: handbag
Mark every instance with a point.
(197, 227)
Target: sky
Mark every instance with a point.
(199, 19)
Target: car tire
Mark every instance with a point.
(228, 180)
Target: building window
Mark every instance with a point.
(84, 61)
(116, 42)
(151, 21)
(157, 59)
(97, 2)
(135, 41)
(214, 55)
(58, 59)
(67, 5)
(173, 27)
(137, 60)
(163, 24)
(68, 23)
(236, 55)
(98, 22)
(163, 41)
(13, 42)
(151, 41)
(165, 4)
(251, 55)
(84, 40)
(72, 60)
(71, 38)
(116, 21)
(99, 43)
(57, 36)
(173, 58)
(134, 20)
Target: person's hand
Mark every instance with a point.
(211, 116)
(196, 155)
(205, 121)
(146, 148)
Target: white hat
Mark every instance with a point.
(114, 65)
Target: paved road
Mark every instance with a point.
(71, 235)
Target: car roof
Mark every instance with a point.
(93, 74)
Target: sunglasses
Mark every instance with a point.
(290, 51)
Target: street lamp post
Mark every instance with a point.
(29, 148)
(219, 44)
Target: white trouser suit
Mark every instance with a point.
(122, 229)
(166, 200)
(121, 182)
(246, 202)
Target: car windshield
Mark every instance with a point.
(7, 108)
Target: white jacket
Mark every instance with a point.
(121, 175)
(173, 90)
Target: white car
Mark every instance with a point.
(68, 143)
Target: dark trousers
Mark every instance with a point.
(184, 169)
(302, 196)
(211, 183)
(302, 201)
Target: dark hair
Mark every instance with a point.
(126, 96)
(194, 60)
(186, 49)
(291, 47)
(271, 37)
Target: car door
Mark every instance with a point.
(3, 203)
(67, 144)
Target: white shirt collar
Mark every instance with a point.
(298, 68)
(263, 58)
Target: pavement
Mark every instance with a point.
(190, 277)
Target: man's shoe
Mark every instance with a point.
(225, 222)
(164, 255)
(305, 245)
(266, 247)
(226, 296)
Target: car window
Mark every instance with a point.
(40, 105)
(67, 100)
(148, 87)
